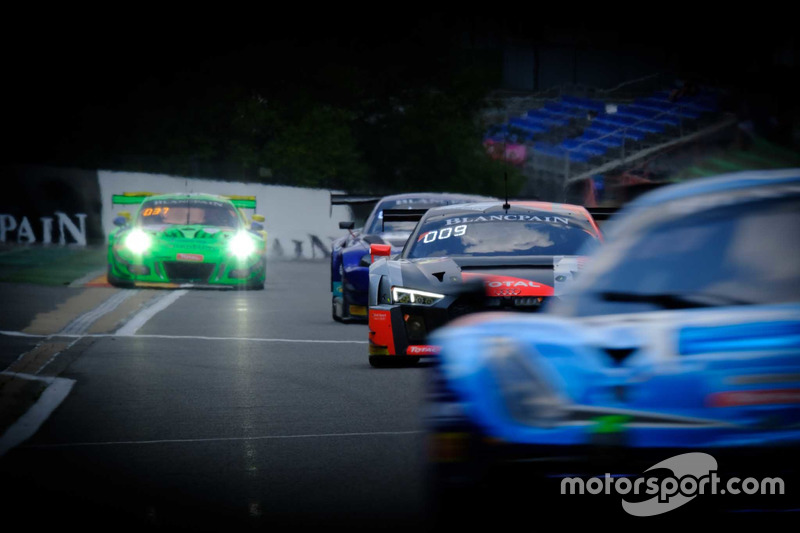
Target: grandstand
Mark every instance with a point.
(570, 138)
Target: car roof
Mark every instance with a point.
(434, 196)
(747, 179)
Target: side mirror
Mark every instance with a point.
(255, 226)
(258, 218)
(120, 221)
(347, 225)
(380, 250)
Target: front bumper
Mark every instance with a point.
(403, 330)
(170, 271)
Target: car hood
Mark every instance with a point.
(191, 231)
(396, 239)
(502, 276)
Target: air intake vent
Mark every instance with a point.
(180, 271)
(173, 233)
(619, 354)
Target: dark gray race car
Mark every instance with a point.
(518, 255)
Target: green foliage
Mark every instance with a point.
(433, 142)
(317, 149)
(365, 116)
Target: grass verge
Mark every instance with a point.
(49, 264)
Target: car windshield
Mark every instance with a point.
(730, 255)
(184, 211)
(518, 236)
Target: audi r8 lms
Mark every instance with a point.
(197, 240)
(682, 334)
(350, 255)
(517, 255)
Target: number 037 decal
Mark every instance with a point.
(444, 233)
(149, 212)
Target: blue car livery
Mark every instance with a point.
(350, 255)
(681, 334)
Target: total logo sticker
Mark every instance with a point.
(509, 286)
(423, 350)
(514, 284)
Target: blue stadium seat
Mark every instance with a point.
(672, 108)
(704, 101)
(527, 125)
(627, 133)
(584, 103)
(561, 153)
(609, 141)
(643, 113)
(586, 147)
(547, 119)
(629, 122)
(565, 110)
(559, 114)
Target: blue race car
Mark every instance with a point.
(350, 255)
(681, 334)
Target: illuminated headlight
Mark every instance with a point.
(528, 396)
(414, 297)
(138, 241)
(242, 246)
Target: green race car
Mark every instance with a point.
(187, 240)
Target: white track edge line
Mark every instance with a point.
(229, 439)
(29, 423)
(141, 318)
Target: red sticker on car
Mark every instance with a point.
(189, 257)
(753, 397)
(509, 286)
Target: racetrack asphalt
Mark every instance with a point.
(210, 410)
(224, 410)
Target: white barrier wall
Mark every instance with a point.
(300, 223)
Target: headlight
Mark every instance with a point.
(242, 246)
(138, 241)
(414, 297)
(528, 396)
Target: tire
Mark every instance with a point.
(391, 361)
(261, 284)
(338, 303)
(378, 361)
(344, 305)
(116, 282)
(337, 317)
(457, 494)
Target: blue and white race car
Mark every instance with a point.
(350, 255)
(682, 334)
